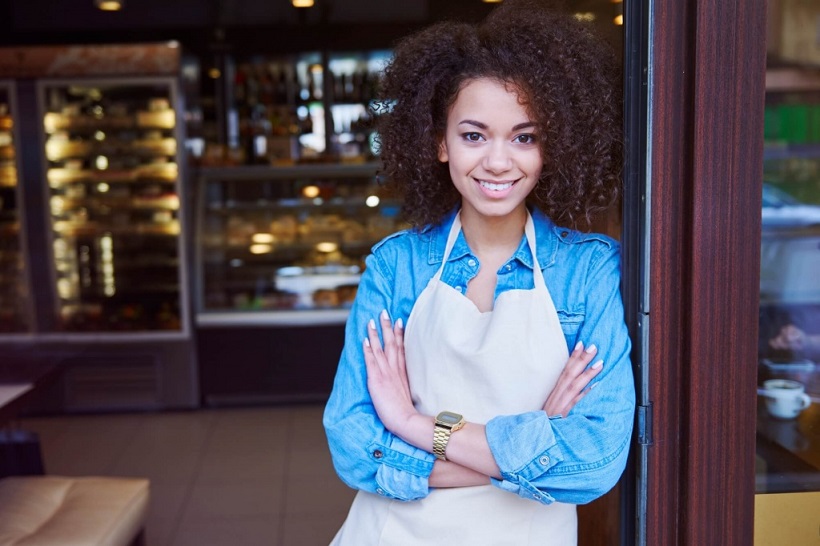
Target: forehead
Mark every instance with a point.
(490, 97)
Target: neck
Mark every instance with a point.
(493, 234)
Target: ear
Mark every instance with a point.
(442, 151)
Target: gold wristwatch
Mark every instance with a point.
(447, 422)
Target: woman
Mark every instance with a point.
(493, 133)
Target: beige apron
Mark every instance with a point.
(481, 365)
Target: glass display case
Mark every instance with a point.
(286, 245)
(14, 293)
(114, 193)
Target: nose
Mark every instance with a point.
(497, 159)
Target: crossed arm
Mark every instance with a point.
(469, 459)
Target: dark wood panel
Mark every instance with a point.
(671, 154)
(709, 62)
(727, 178)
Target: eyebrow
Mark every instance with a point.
(525, 125)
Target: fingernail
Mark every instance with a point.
(385, 316)
(372, 324)
(400, 324)
(593, 385)
(578, 345)
(367, 342)
(598, 365)
(590, 349)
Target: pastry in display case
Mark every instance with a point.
(289, 238)
(114, 198)
(14, 300)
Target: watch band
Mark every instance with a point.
(441, 437)
(446, 423)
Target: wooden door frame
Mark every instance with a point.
(706, 150)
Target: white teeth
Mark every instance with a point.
(495, 187)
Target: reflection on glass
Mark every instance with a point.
(788, 418)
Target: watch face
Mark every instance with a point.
(448, 417)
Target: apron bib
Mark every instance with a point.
(505, 361)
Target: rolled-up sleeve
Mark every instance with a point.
(578, 458)
(365, 455)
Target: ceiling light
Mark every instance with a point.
(302, 3)
(109, 5)
(492, 1)
(619, 20)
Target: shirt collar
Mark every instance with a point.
(548, 237)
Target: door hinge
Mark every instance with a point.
(645, 425)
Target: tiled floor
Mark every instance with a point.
(256, 476)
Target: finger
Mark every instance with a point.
(566, 406)
(387, 335)
(583, 354)
(584, 378)
(398, 335)
(369, 359)
(375, 342)
(567, 391)
(579, 360)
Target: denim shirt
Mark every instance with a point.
(574, 459)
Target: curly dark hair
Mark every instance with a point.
(567, 78)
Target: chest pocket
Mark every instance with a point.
(570, 324)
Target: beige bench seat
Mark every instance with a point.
(65, 511)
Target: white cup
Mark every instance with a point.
(785, 399)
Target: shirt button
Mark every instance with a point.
(544, 460)
(380, 491)
(471, 262)
(378, 454)
(508, 267)
(459, 288)
(536, 496)
(564, 233)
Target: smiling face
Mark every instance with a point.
(491, 145)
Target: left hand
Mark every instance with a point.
(573, 383)
(387, 374)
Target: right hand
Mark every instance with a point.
(573, 381)
(387, 374)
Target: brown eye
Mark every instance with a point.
(525, 139)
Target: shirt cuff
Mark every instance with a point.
(403, 471)
(524, 448)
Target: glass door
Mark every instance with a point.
(788, 407)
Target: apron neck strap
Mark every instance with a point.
(529, 230)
